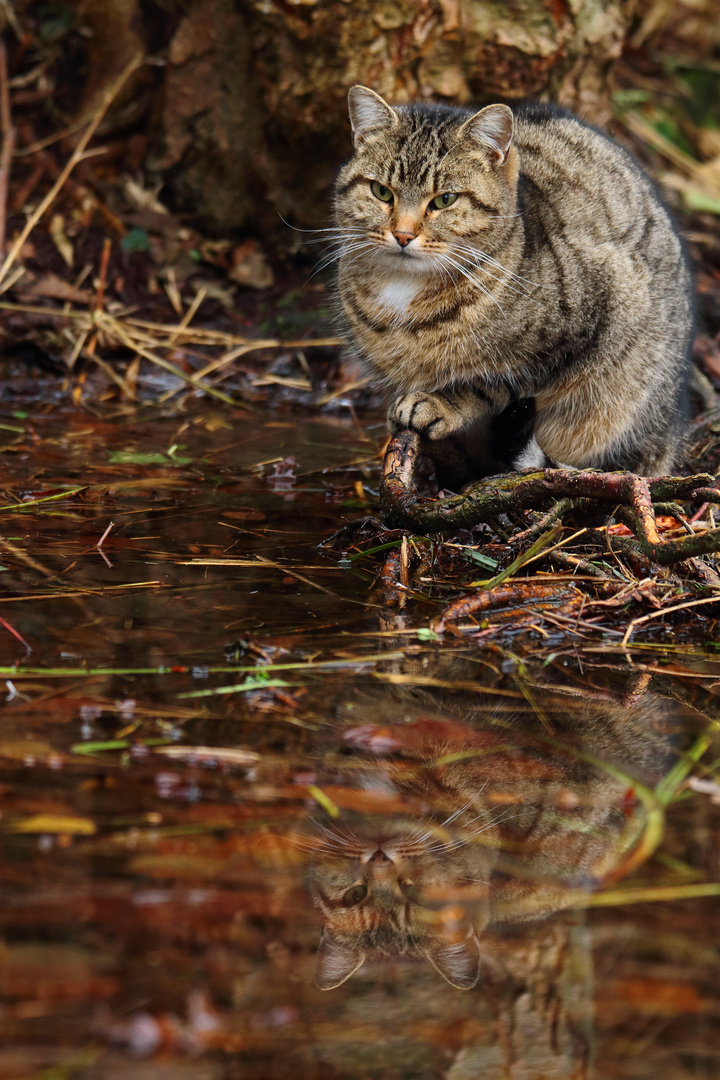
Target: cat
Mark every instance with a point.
(513, 280)
(472, 824)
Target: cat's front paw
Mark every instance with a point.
(426, 414)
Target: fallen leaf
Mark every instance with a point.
(54, 288)
(57, 232)
(53, 823)
(250, 267)
(28, 750)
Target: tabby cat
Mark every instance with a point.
(470, 825)
(513, 280)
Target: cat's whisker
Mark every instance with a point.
(339, 246)
(457, 813)
(346, 247)
(328, 258)
(471, 278)
(475, 251)
(481, 263)
(340, 237)
(332, 228)
(328, 845)
(342, 837)
(344, 250)
(478, 254)
(504, 281)
(342, 840)
(332, 833)
(425, 836)
(476, 818)
(302, 842)
(318, 846)
(327, 261)
(495, 821)
(440, 846)
(359, 255)
(518, 288)
(444, 272)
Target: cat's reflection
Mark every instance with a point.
(504, 816)
(389, 893)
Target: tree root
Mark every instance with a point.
(558, 491)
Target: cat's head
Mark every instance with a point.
(425, 182)
(393, 891)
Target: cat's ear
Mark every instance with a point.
(492, 128)
(458, 963)
(368, 113)
(335, 963)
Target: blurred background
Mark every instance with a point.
(237, 113)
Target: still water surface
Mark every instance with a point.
(256, 825)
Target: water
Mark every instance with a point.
(217, 728)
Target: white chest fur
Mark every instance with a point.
(397, 294)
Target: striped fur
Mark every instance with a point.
(554, 287)
(493, 825)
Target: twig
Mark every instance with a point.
(573, 562)
(12, 19)
(9, 282)
(105, 535)
(99, 303)
(75, 157)
(225, 338)
(195, 335)
(538, 490)
(101, 541)
(129, 333)
(16, 634)
(23, 557)
(673, 153)
(102, 277)
(119, 331)
(113, 375)
(665, 611)
(187, 317)
(8, 144)
(540, 595)
(224, 361)
(41, 144)
(44, 309)
(558, 511)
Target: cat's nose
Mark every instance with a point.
(404, 238)
(379, 857)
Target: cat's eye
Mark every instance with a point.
(384, 194)
(440, 202)
(354, 895)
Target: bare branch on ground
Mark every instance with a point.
(558, 491)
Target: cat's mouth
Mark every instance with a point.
(412, 260)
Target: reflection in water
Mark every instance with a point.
(460, 830)
(474, 822)
(162, 887)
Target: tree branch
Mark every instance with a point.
(556, 490)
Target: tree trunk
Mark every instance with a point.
(250, 117)
(253, 116)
